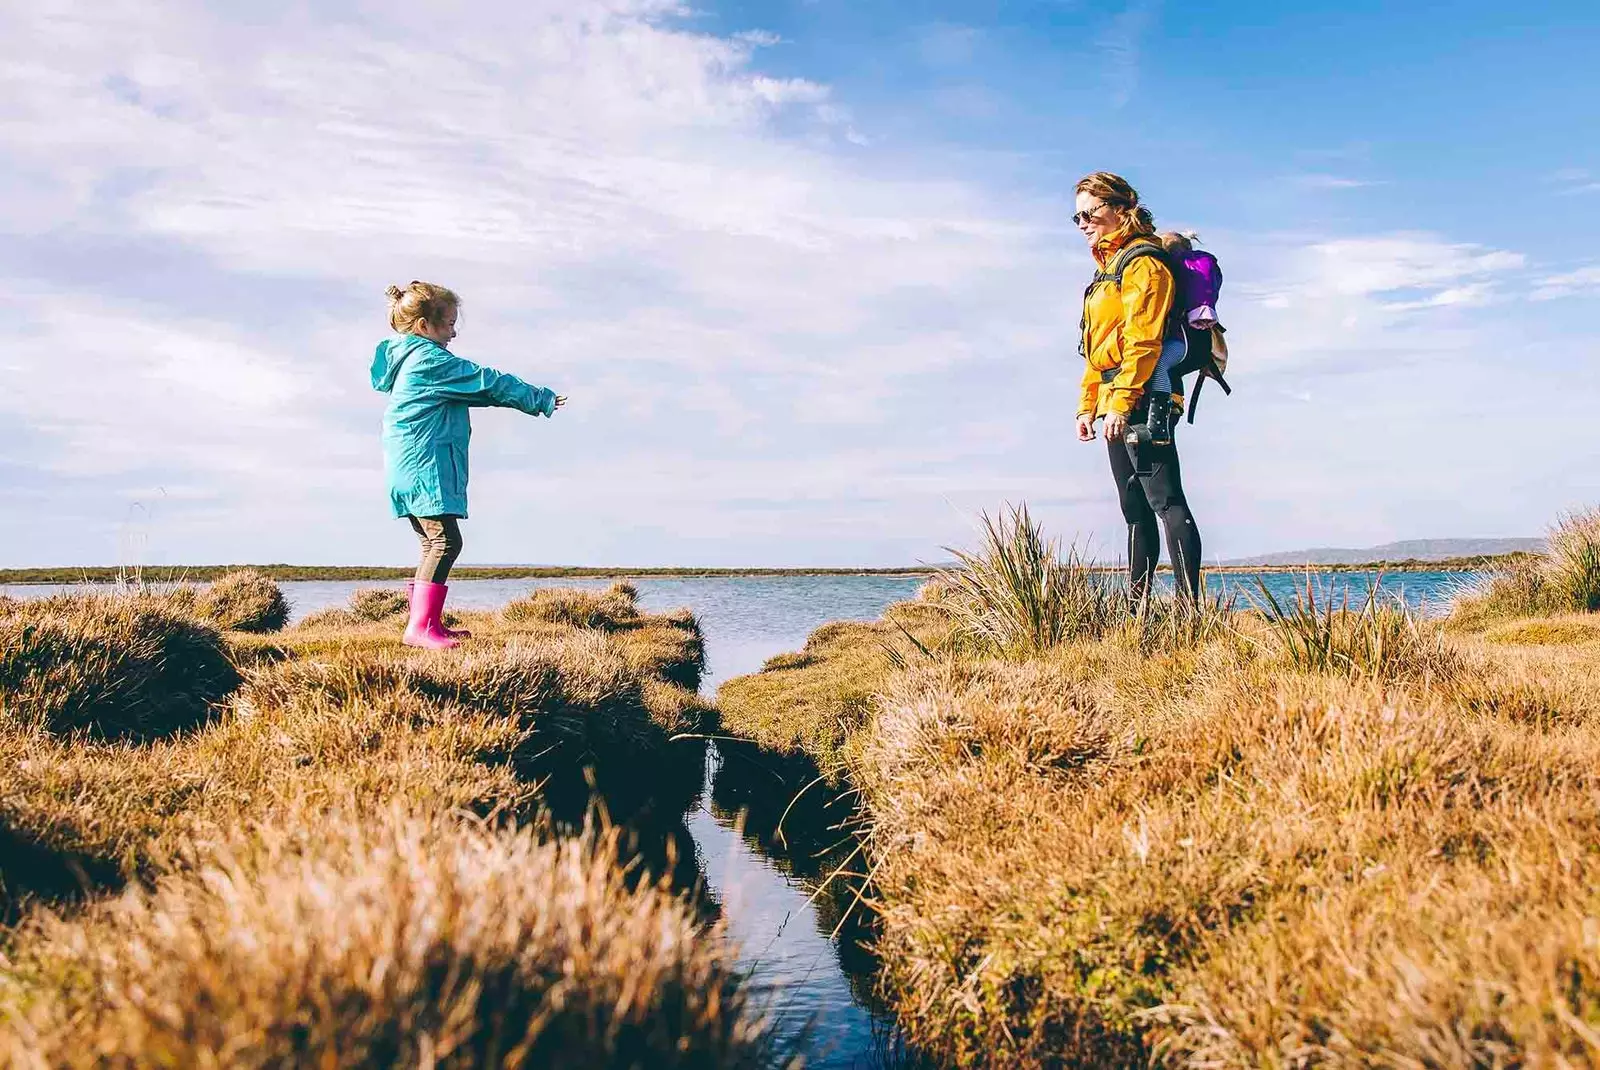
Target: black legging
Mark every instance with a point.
(1143, 499)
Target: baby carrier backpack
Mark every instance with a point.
(1198, 280)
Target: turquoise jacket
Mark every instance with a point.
(426, 428)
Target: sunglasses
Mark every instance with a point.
(1080, 218)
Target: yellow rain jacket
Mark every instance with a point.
(1123, 328)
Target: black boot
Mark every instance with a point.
(1159, 419)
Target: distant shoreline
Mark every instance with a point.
(350, 573)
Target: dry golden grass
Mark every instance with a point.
(112, 667)
(243, 601)
(1565, 579)
(335, 726)
(612, 608)
(389, 940)
(809, 703)
(1197, 854)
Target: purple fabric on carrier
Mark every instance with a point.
(1199, 279)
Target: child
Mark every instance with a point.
(425, 433)
(1199, 284)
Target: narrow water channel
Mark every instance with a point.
(819, 985)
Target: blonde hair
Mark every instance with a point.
(1179, 241)
(1118, 193)
(418, 302)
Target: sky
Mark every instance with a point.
(805, 269)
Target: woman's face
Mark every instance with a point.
(1095, 218)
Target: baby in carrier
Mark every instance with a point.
(1194, 343)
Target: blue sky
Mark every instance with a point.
(805, 269)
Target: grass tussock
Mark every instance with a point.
(320, 873)
(400, 940)
(613, 608)
(378, 603)
(1017, 595)
(1565, 579)
(244, 601)
(1304, 835)
(110, 667)
(808, 704)
(1378, 639)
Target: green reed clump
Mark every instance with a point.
(1165, 622)
(1016, 594)
(127, 667)
(244, 601)
(1565, 579)
(1379, 639)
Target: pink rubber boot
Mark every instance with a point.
(454, 633)
(424, 629)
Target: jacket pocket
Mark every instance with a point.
(458, 469)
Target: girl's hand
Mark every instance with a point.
(1086, 427)
(560, 400)
(1116, 426)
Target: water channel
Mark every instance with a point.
(819, 987)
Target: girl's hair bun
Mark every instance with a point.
(420, 301)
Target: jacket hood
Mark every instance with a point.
(390, 355)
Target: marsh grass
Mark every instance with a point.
(111, 667)
(383, 940)
(336, 725)
(244, 601)
(1379, 638)
(378, 603)
(1315, 832)
(613, 608)
(1017, 595)
(1565, 579)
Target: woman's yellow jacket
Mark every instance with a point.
(1123, 329)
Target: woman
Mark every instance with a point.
(1126, 312)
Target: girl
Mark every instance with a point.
(1189, 343)
(1125, 314)
(425, 434)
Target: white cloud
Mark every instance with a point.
(779, 347)
(1332, 182)
(1573, 180)
(1569, 284)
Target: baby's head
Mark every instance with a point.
(424, 309)
(1177, 242)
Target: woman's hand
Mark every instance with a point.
(561, 400)
(1116, 426)
(1085, 427)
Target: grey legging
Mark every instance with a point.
(441, 545)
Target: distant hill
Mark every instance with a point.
(1405, 550)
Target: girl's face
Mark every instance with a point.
(1095, 218)
(441, 333)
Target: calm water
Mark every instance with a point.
(746, 621)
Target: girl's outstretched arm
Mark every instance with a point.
(461, 380)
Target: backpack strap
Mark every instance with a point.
(1134, 250)
(1112, 272)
